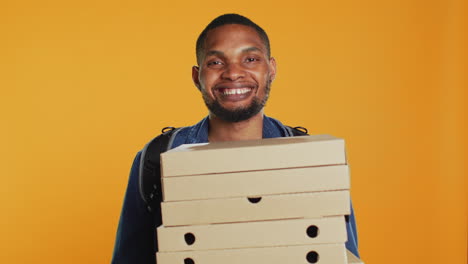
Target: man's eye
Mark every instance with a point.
(251, 59)
(214, 63)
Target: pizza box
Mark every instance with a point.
(250, 155)
(246, 209)
(326, 230)
(255, 183)
(352, 259)
(319, 253)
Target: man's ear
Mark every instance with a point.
(196, 80)
(272, 69)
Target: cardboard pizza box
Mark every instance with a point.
(250, 155)
(246, 209)
(352, 259)
(319, 253)
(264, 182)
(326, 230)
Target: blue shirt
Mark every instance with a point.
(136, 234)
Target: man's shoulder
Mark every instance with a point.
(272, 124)
(183, 135)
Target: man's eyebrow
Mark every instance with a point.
(250, 49)
(220, 53)
(214, 52)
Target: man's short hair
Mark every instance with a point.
(229, 19)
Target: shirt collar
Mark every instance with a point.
(199, 133)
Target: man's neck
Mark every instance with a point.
(220, 130)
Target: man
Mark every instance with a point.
(234, 75)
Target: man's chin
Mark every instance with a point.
(235, 115)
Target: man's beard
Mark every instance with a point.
(239, 114)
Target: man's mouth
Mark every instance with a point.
(234, 92)
(234, 88)
(227, 91)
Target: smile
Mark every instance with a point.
(235, 91)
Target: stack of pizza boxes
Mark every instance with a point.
(280, 200)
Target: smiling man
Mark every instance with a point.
(234, 75)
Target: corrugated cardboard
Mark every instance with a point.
(326, 254)
(325, 230)
(352, 259)
(249, 155)
(270, 207)
(254, 183)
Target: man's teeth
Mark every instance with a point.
(236, 91)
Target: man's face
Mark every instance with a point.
(235, 73)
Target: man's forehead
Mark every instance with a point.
(240, 36)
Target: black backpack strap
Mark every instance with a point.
(149, 180)
(298, 131)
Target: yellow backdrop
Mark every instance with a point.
(85, 84)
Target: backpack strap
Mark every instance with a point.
(149, 179)
(298, 131)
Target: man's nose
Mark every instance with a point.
(233, 71)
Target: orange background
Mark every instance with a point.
(85, 84)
